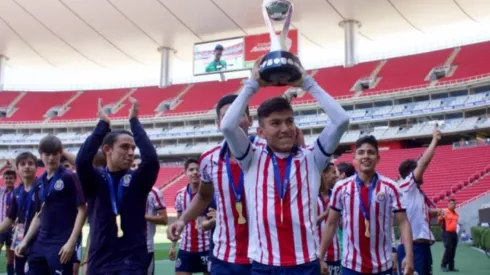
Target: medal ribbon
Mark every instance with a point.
(26, 201)
(372, 185)
(115, 201)
(427, 200)
(282, 184)
(238, 192)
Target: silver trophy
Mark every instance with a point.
(279, 67)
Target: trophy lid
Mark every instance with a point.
(277, 9)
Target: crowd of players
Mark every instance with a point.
(264, 204)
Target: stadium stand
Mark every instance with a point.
(34, 106)
(393, 74)
(471, 61)
(411, 70)
(342, 82)
(85, 105)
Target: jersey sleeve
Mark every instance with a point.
(336, 199)
(158, 202)
(205, 165)
(397, 204)
(179, 202)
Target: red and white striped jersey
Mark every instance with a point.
(285, 232)
(193, 238)
(360, 253)
(5, 197)
(418, 206)
(230, 238)
(154, 203)
(333, 251)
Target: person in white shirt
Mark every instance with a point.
(419, 207)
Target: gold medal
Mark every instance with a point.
(239, 210)
(282, 213)
(120, 232)
(366, 224)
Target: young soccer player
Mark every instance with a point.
(219, 171)
(21, 209)
(156, 213)
(332, 258)
(61, 209)
(364, 203)
(194, 247)
(118, 195)
(419, 207)
(282, 179)
(9, 178)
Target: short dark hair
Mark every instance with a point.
(10, 172)
(225, 100)
(346, 168)
(371, 140)
(99, 159)
(329, 164)
(50, 144)
(272, 105)
(111, 137)
(24, 156)
(219, 47)
(452, 200)
(407, 167)
(189, 162)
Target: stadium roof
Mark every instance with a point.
(101, 34)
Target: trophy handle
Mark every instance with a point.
(275, 43)
(278, 42)
(285, 28)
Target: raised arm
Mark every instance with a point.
(236, 138)
(332, 133)
(86, 171)
(147, 171)
(426, 158)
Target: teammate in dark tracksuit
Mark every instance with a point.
(21, 209)
(60, 214)
(118, 195)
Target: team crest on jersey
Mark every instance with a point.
(178, 263)
(380, 196)
(126, 180)
(59, 185)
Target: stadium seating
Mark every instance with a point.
(471, 61)
(150, 98)
(167, 175)
(170, 192)
(447, 168)
(33, 106)
(392, 74)
(410, 70)
(85, 106)
(202, 97)
(6, 98)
